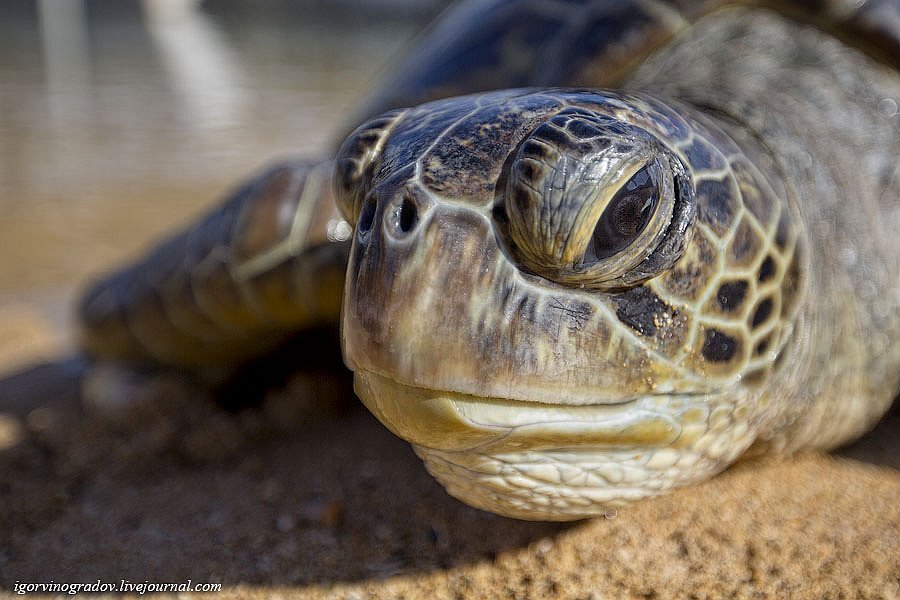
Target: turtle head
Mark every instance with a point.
(563, 299)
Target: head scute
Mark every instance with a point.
(594, 201)
(356, 161)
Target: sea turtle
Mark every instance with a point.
(568, 298)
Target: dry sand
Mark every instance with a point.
(272, 506)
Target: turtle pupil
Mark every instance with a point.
(631, 215)
(627, 215)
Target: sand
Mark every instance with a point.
(271, 503)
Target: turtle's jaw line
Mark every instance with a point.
(534, 460)
(453, 421)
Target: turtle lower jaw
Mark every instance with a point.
(539, 461)
(453, 421)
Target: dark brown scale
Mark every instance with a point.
(744, 247)
(553, 134)
(731, 295)
(762, 313)
(532, 148)
(583, 129)
(717, 204)
(766, 270)
(641, 309)
(719, 347)
(703, 157)
(103, 313)
(662, 325)
(586, 147)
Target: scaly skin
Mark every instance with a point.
(820, 108)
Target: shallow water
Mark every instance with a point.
(120, 120)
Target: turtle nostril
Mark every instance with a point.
(367, 215)
(408, 215)
(403, 217)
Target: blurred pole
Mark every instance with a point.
(202, 68)
(67, 76)
(66, 59)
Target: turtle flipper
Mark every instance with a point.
(265, 264)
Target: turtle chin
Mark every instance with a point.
(539, 461)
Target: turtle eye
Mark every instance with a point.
(595, 202)
(626, 216)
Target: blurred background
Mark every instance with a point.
(120, 119)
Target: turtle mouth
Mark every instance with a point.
(456, 422)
